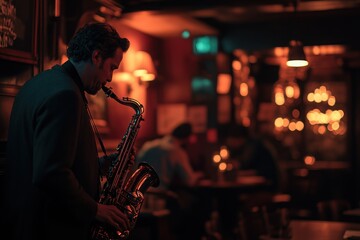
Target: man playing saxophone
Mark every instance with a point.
(53, 166)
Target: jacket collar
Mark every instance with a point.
(71, 70)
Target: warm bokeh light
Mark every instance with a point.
(236, 65)
(321, 94)
(322, 129)
(223, 83)
(289, 91)
(321, 121)
(328, 49)
(280, 51)
(279, 99)
(224, 153)
(315, 116)
(286, 122)
(244, 90)
(292, 126)
(331, 101)
(222, 166)
(334, 126)
(330, 120)
(216, 158)
(316, 50)
(309, 160)
(310, 97)
(278, 122)
(299, 125)
(341, 112)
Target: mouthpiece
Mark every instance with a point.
(108, 91)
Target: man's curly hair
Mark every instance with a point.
(95, 36)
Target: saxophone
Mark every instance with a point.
(119, 190)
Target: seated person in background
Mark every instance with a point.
(253, 152)
(168, 157)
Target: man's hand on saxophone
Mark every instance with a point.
(110, 214)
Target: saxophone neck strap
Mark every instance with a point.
(96, 132)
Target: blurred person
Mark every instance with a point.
(169, 158)
(253, 152)
(53, 171)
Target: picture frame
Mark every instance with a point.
(26, 28)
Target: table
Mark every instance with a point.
(352, 215)
(223, 197)
(327, 230)
(352, 212)
(227, 192)
(240, 183)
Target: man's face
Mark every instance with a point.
(103, 71)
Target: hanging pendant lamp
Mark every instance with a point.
(296, 56)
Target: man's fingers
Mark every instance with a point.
(121, 218)
(113, 216)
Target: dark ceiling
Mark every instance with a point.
(246, 24)
(254, 24)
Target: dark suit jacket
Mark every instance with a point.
(53, 171)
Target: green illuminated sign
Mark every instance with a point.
(205, 45)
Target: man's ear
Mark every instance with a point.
(96, 57)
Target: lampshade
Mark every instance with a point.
(126, 67)
(296, 56)
(136, 65)
(144, 66)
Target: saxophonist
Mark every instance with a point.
(53, 166)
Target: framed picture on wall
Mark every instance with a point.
(20, 20)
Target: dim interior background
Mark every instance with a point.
(216, 64)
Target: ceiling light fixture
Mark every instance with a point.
(296, 56)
